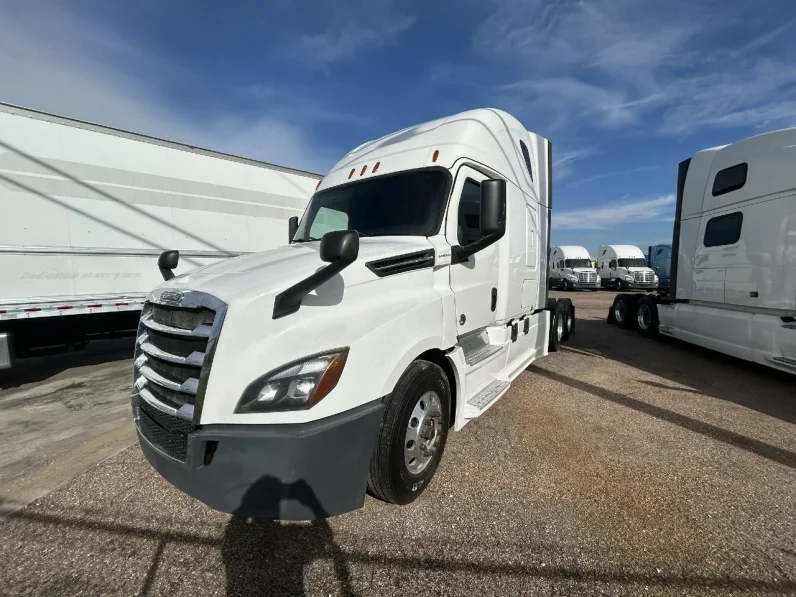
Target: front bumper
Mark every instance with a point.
(644, 285)
(586, 284)
(291, 472)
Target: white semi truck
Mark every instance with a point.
(733, 266)
(86, 207)
(283, 384)
(624, 267)
(571, 268)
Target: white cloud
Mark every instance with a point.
(670, 67)
(341, 42)
(563, 161)
(611, 175)
(622, 214)
(52, 60)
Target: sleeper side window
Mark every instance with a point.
(723, 230)
(469, 227)
(527, 157)
(730, 179)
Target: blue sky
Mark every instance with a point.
(625, 89)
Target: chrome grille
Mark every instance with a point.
(587, 278)
(173, 354)
(644, 277)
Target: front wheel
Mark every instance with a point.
(619, 285)
(412, 436)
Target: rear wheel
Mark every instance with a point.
(624, 310)
(569, 319)
(647, 317)
(557, 323)
(412, 436)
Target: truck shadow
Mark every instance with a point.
(50, 363)
(267, 557)
(700, 370)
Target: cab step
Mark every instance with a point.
(487, 396)
(483, 353)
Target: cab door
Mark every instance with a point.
(474, 281)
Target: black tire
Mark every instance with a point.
(624, 310)
(389, 478)
(557, 319)
(619, 285)
(567, 285)
(647, 317)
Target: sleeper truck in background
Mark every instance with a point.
(571, 268)
(86, 207)
(413, 292)
(659, 259)
(733, 268)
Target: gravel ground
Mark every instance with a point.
(619, 466)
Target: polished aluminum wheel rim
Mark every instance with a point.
(644, 317)
(619, 311)
(423, 433)
(560, 329)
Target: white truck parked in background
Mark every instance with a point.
(86, 207)
(282, 384)
(624, 267)
(733, 268)
(571, 268)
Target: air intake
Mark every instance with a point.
(402, 263)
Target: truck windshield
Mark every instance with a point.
(637, 262)
(578, 263)
(404, 204)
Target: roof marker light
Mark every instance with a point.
(435, 155)
(319, 184)
(350, 174)
(376, 167)
(364, 168)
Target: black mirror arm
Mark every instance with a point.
(289, 301)
(166, 273)
(461, 253)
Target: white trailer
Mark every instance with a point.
(571, 269)
(283, 384)
(624, 267)
(733, 269)
(87, 209)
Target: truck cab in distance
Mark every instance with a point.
(733, 268)
(413, 291)
(571, 268)
(624, 267)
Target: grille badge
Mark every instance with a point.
(171, 296)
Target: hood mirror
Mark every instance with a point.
(167, 262)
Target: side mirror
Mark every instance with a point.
(339, 249)
(340, 245)
(292, 228)
(493, 207)
(167, 262)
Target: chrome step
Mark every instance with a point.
(488, 395)
(481, 354)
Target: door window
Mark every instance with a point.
(469, 229)
(613, 264)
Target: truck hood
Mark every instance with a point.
(275, 270)
(584, 270)
(639, 269)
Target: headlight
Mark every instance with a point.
(629, 278)
(656, 278)
(573, 278)
(296, 386)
